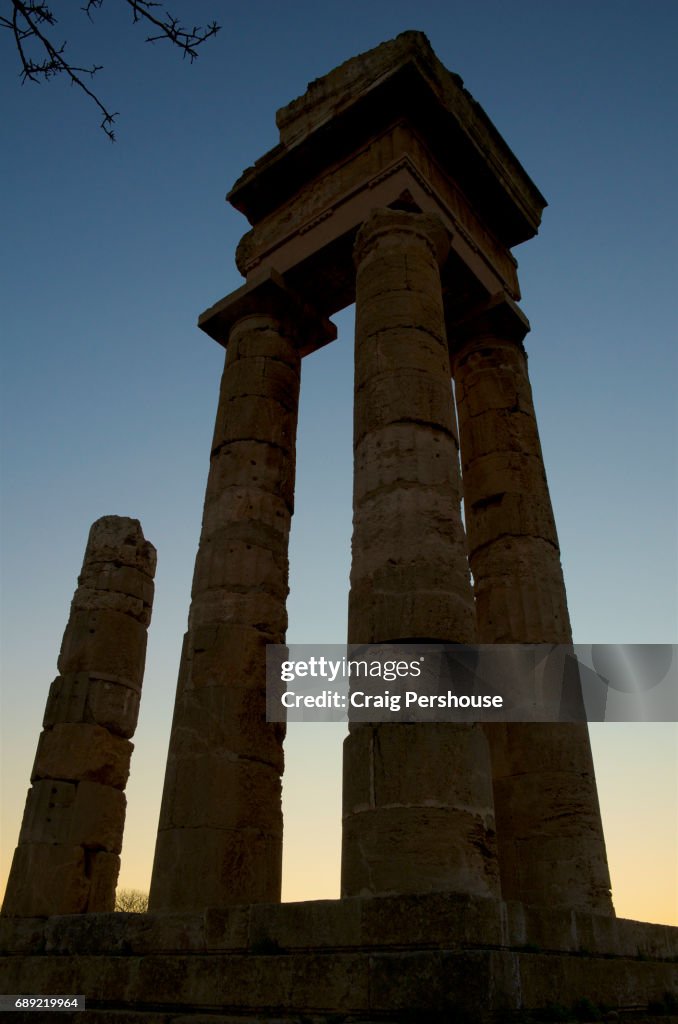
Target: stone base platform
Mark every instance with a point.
(422, 958)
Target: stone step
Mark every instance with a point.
(184, 1015)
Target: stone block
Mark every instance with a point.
(431, 982)
(397, 313)
(224, 654)
(402, 397)
(84, 934)
(417, 849)
(113, 705)
(545, 746)
(543, 928)
(316, 924)
(48, 813)
(230, 719)
(152, 933)
(234, 793)
(130, 934)
(505, 513)
(495, 387)
(103, 876)
(548, 804)
(639, 939)
(67, 699)
(597, 933)
(618, 982)
(379, 615)
(46, 879)
(228, 928)
(98, 817)
(503, 472)
(253, 418)
(249, 505)
(103, 641)
(118, 579)
(448, 920)
(253, 464)
(563, 871)
(119, 539)
(406, 453)
(72, 752)
(444, 765)
(260, 611)
(417, 529)
(260, 337)
(233, 564)
(227, 866)
(263, 377)
(22, 934)
(89, 599)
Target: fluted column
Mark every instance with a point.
(67, 860)
(417, 800)
(220, 831)
(549, 830)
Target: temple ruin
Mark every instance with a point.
(474, 874)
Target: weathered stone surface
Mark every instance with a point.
(406, 453)
(255, 465)
(411, 957)
(67, 699)
(217, 790)
(46, 878)
(226, 862)
(229, 719)
(72, 752)
(105, 640)
(22, 934)
(127, 933)
(224, 559)
(347, 986)
(221, 653)
(222, 785)
(119, 540)
(113, 705)
(404, 568)
(252, 505)
(98, 817)
(416, 845)
(549, 831)
(417, 813)
(67, 858)
(96, 699)
(48, 813)
(255, 610)
(102, 869)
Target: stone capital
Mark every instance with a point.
(386, 223)
(498, 317)
(269, 296)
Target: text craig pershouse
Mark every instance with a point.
(460, 683)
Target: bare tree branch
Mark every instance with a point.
(131, 901)
(26, 25)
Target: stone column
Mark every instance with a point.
(417, 799)
(67, 860)
(220, 831)
(551, 846)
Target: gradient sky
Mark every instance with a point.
(109, 390)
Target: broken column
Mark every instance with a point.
(549, 830)
(220, 831)
(67, 860)
(417, 813)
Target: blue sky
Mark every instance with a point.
(109, 390)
